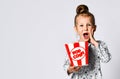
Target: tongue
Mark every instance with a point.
(86, 36)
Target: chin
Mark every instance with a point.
(86, 40)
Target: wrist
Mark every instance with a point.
(95, 43)
(69, 71)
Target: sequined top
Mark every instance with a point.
(93, 70)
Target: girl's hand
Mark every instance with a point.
(92, 40)
(72, 69)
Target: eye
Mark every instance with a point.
(89, 24)
(81, 25)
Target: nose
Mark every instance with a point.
(86, 28)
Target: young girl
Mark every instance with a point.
(98, 52)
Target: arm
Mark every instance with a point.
(66, 64)
(103, 52)
(68, 68)
(101, 48)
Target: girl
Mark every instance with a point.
(84, 25)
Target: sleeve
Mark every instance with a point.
(103, 52)
(66, 65)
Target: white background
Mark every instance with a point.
(33, 33)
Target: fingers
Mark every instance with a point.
(74, 69)
(91, 33)
(92, 39)
(77, 68)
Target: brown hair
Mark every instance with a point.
(84, 11)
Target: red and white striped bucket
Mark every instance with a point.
(77, 53)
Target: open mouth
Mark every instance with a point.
(86, 35)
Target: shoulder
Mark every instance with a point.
(102, 43)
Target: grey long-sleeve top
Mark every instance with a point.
(93, 70)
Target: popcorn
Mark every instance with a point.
(77, 53)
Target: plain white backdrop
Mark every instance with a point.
(33, 34)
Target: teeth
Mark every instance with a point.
(85, 34)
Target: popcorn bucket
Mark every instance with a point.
(77, 53)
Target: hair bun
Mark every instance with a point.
(82, 9)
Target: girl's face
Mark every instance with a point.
(84, 27)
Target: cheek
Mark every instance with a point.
(80, 31)
(90, 29)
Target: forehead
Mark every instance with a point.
(83, 18)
